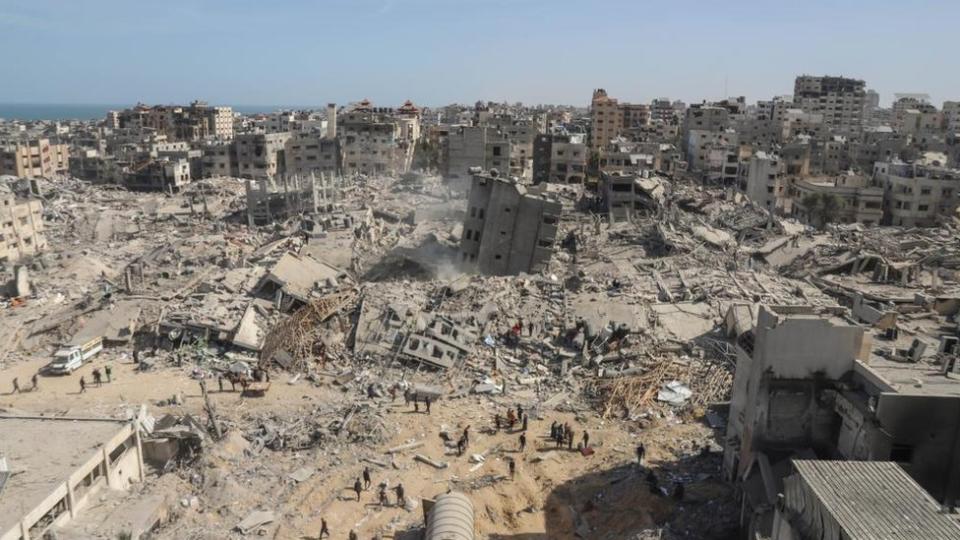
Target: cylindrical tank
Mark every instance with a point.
(451, 518)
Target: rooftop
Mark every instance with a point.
(41, 454)
(867, 500)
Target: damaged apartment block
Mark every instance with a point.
(509, 228)
(809, 384)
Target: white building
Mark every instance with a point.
(761, 180)
(915, 194)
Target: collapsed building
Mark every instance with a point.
(509, 228)
(816, 384)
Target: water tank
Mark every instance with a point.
(451, 518)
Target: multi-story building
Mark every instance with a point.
(308, 153)
(467, 147)
(634, 115)
(378, 140)
(521, 133)
(761, 180)
(21, 226)
(261, 155)
(161, 174)
(852, 200)
(559, 157)
(703, 147)
(840, 100)
(606, 119)
(219, 159)
(509, 228)
(627, 194)
(951, 116)
(916, 194)
(33, 158)
(663, 110)
(191, 123)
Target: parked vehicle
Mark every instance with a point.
(71, 356)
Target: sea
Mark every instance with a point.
(63, 111)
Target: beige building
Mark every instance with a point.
(840, 100)
(33, 158)
(61, 465)
(21, 226)
(761, 180)
(308, 153)
(559, 158)
(857, 201)
(261, 155)
(606, 119)
(916, 195)
(378, 140)
(951, 116)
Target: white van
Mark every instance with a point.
(71, 356)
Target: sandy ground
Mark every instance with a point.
(554, 492)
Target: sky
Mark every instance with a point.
(435, 52)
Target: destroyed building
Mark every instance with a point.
(559, 158)
(33, 157)
(261, 155)
(55, 468)
(626, 195)
(815, 384)
(856, 499)
(509, 228)
(378, 140)
(21, 224)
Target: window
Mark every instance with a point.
(480, 213)
(923, 207)
(550, 220)
(473, 211)
(496, 150)
(498, 257)
(468, 235)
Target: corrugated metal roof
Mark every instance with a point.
(876, 500)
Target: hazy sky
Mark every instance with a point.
(299, 52)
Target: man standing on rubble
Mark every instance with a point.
(496, 421)
(220, 382)
(323, 529)
(353, 535)
(34, 381)
(513, 467)
(83, 385)
(640, 452)
(586, 439)
(358, 488)
(427, 402)
(109, 372)
(97, 377)
(523, 442)
(524, 422)
(401, 500)
(366, 478)
(569, 439)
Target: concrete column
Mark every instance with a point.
(106, 468)
(71, 501)
(136, 438)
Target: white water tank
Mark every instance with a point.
(451, 518)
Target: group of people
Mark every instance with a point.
(97, 377)
(16, 384)
(563, 434)
(511, 420)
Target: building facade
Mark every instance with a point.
(509, 228)
(840, 100)
(916, 195)
(559, 158)
(21, 226)
(33, 158)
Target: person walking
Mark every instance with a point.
(34, 381)
(358, 487)
(97, 377)
(513, 467)
(323, 529)
(16, 386)
(401, 500)
(83, 385)
(427, 401)
(109, 372)
(220, 382)
(586, 439)
(641, 450)
(523, 442)
(366, 478)
(524, 422)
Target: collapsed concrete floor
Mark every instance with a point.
(624, 337)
